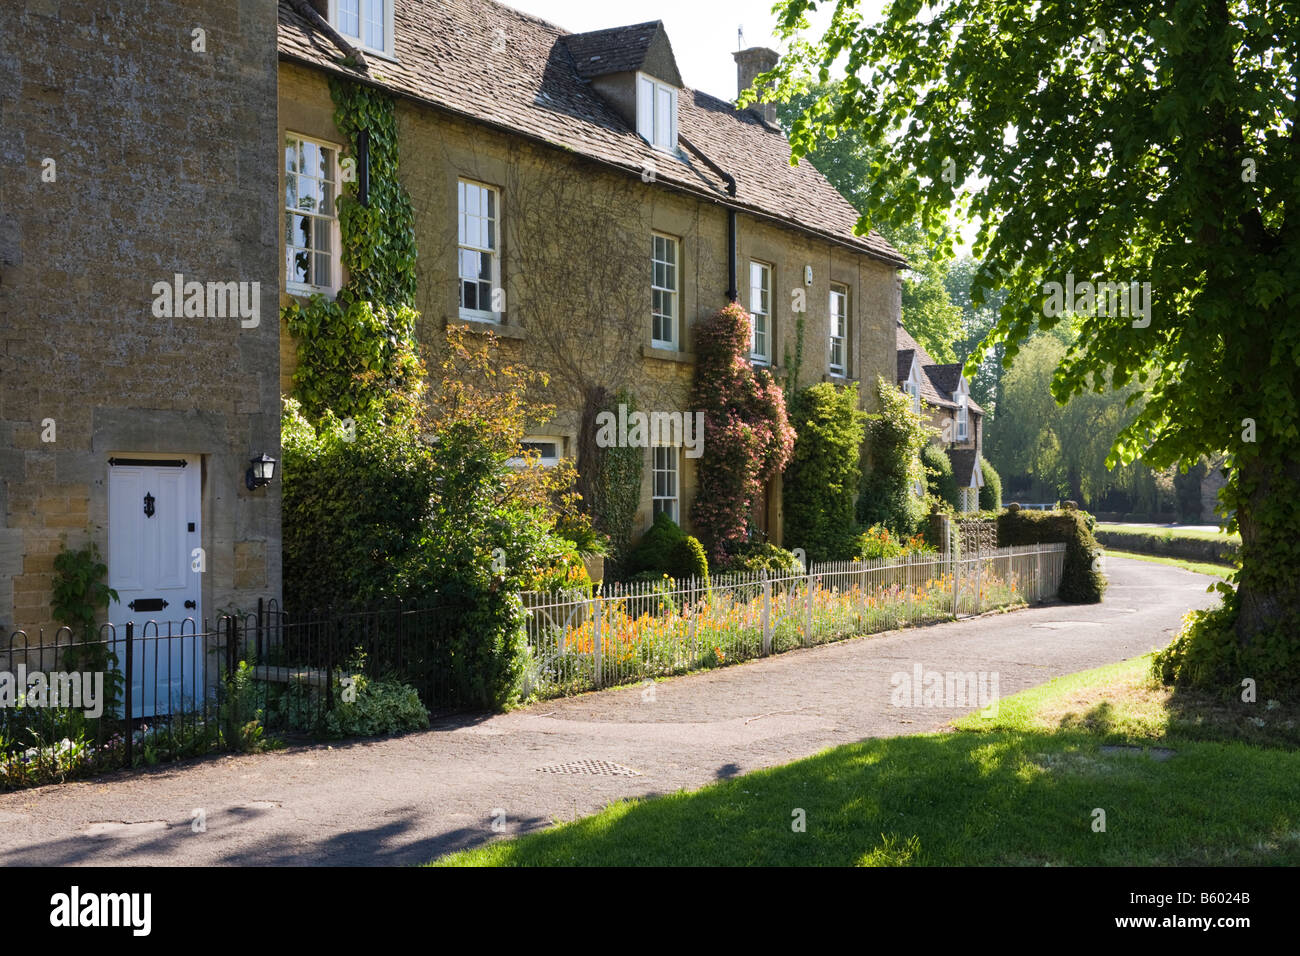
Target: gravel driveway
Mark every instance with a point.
(409, 799)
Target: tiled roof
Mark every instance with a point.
(616, 50)
(939, 381)
(445, 57)
(905, 357)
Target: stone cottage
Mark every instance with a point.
(574, 197)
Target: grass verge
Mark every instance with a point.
(1200, 567)
(1182, 780)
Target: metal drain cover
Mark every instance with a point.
(604, 768)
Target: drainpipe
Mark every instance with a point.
(733, 293)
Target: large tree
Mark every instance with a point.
(847, 162)
(1149, 142)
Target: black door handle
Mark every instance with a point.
(191, 605)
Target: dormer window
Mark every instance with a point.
(367, 23)
(656, 112)
(914, 387)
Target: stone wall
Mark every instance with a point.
(437, 149)
(135, 148)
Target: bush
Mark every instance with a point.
(1081, 581)
(991, 493)
(666, 549)
(689, 560)
(823, 477)
(616, 493)
(380, 707)
(657, 552)
(939, 479)
(1208, 655)
(895, 437)
(877, 542)
(752, 558)
(385, 512)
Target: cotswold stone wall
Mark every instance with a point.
(134, 149)
(438, 149)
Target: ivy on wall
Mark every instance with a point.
(616, 491)
(357, 353)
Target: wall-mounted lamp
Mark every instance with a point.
(260, 471)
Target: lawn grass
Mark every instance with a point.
(1200, 567)
(1019, 788)
(1168, 533)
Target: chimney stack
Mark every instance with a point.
(749, 64)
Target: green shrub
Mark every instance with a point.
(895, 437)
(379, 707)
(823, 477)
(1081, 580)
(354, 511)
(689, 560)
(753, 557)
(991, 493)
(1208, 655)
(657, 551)
(939, 479)
(878, 542)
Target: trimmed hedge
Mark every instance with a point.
(939, 480)
(666, 549)
(1170, 545)
(991, 493)
(1081, 583)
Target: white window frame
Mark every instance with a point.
(839, 292)
(963, 414)
(657, 127)
(666, 502)
(291, 285)
(545, 461)
(494, 250)
(756, 296)
(669, 293)
(358, 39)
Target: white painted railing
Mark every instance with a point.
(627, 633)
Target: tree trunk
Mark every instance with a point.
(1075, 478)
(1268, 516)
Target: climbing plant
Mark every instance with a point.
(357, 354)
(616, 490)
(821, 482)
(747, 435)
(895, 436)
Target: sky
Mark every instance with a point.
(702, 32)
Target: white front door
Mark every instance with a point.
(153, 531)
